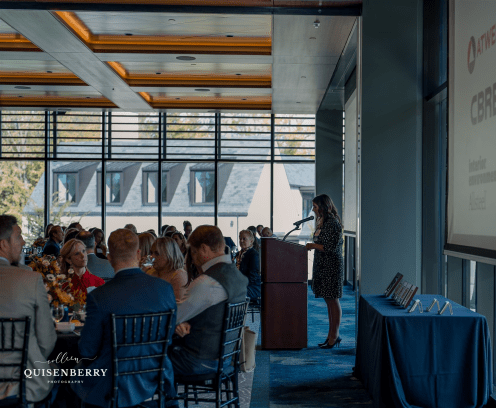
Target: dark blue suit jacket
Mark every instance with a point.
(130, 291)
(51, 248)
(250, 267)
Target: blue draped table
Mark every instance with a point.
(423, 360)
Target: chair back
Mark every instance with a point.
(139, 348)
(12, 344)
(232, 332)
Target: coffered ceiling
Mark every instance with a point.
(256, 55)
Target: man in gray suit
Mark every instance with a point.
(97, 266)
(22, 293)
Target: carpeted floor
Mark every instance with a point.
(312, 377)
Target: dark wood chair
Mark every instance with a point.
(138, 331)
(225, 379)
(10, 344)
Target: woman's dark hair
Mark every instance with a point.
(326, 207)
(190, 268)
(253, 230)
(186, 224)
(162, 230)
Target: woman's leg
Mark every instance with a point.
(334, 312)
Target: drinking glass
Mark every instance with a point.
(57, 313)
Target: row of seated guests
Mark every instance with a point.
(199, 313)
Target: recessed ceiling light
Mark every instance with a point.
(49, 72)
(313, 38)
(88, 97)
(193, 64)
(128, 34)
(298, 102)
(303, 77)
(178, 98)
(22, 87)
(20, 96)
(202, 90)
(158, 73)
(244, 99)
(171, 19)
(229, 35)
(238, 74)
(185, 58)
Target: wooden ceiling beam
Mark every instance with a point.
(48, 33)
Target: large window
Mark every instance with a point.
(156, 169)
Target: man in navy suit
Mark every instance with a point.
(56, 236)
(130, 291)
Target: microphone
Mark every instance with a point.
(297, 223)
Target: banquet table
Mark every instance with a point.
(423, 359)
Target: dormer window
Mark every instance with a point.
(202, 190)
(171, 173)
(119, 177)
(66, 187)
(70, 181)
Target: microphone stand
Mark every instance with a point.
(294, 229)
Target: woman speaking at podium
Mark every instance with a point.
(328, 267)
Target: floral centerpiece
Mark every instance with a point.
(58, 285)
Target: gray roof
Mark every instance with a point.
(300, 174)
(236, 198)
(72, 167)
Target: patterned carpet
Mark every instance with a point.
(309, 378)
(312, 377)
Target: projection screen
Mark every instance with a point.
(471, 206)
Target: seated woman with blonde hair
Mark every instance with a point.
(168, 264)
(73, 265)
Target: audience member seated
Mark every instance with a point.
(56, 236)
(162, 230)
(131, 227)
(201, 313)
(70, 233)
(152, 231)
(169, 231)
(97, 266)
(22, 293)
(257, 244)
(168, 264)
(146, 241)
(190, 267)
(100, 248)
(259, 230)
(267, 233)
(248, 262)
(187, 229)
(181, 241)
(47, 230)
(74, 262)
(131, 291)
(75, 225)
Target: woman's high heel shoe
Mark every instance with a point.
(329, 346)
(324, 343)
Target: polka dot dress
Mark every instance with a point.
(328, 269)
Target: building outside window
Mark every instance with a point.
(307, 204)
(150, 187)
(204, 187)
(65, 185)
(113, 188)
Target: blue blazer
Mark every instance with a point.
(250, 267)
(130, 291)
(51, 248)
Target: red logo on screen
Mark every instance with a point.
(471, 53)
(476, 47)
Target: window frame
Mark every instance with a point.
(193, 187)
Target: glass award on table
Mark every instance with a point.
(397, 292)
(394, 283)
(409, 296)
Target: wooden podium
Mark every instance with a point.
(284, 294)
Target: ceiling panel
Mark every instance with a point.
(63, 94)
(32, 66)
(195, 69)
(212, 94)
(176, 24)
(186, 90)
(6, 29)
